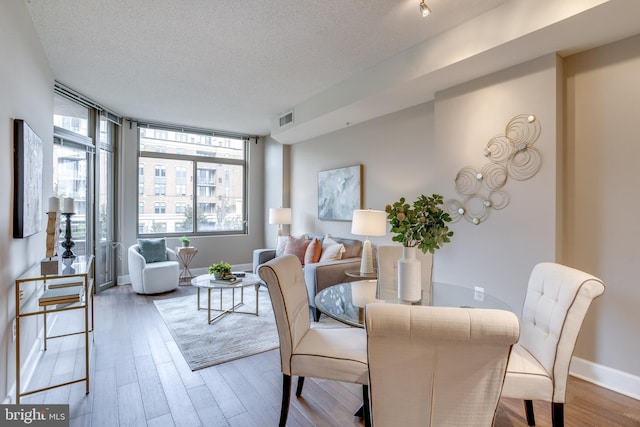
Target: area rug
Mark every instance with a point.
(230, 337)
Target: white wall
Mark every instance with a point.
(587, 187)
(421, 149)
(602, 203)
(396, 152)
(499, 253)
(26, 85)
(275, 185)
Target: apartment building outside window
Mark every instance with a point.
(197, 183)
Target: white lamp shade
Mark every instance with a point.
(280, 216)
(367, 222)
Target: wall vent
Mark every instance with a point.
(286, 119)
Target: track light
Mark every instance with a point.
(424, 9)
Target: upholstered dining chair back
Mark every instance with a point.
(436, 366)
(387, 261)
(555, 305)
(288, 293)
(330, 353)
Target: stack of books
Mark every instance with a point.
(231, 281)
(61, 295)
(64, 282)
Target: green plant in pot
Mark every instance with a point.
(185, 241)
(423, 226)
(220, 270)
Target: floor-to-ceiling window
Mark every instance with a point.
(84, 169)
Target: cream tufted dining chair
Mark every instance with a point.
(556, 302)
(436, 366)
(333, 353)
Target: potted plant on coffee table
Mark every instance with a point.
(220, 270)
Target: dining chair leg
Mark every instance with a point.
(365, 406)
(557, 414)
(299, 388)
(528, 409)
(286, 396)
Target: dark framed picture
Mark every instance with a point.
(339, 193)
(28, 212)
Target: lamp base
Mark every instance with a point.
(366, 263)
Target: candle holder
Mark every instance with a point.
(68, 256)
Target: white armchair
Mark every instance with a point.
(153, 277)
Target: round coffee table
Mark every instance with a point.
(207, 281)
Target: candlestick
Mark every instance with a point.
(68, 256)
(68, 205)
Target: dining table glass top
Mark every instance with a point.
(345, 302)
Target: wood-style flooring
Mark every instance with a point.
(138, 377)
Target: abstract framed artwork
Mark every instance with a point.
(339, 193)
(28, 163)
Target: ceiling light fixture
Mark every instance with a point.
(424, 9)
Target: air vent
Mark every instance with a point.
(286, 119)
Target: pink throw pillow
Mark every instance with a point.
(297, 247)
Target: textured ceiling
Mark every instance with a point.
(231, 65)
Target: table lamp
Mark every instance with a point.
(280, 216)
(367, 222)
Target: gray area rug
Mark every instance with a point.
(230, 337)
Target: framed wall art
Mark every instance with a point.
(339, 193)
(28, 211)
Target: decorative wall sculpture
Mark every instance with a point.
(511, 156)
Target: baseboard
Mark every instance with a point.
(612, 379)
(123, 280)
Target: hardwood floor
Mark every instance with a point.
(139, 378)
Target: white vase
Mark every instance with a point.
(409, 276)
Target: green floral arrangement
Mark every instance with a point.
(220, 270)
(423, 225)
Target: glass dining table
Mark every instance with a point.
(345, 302)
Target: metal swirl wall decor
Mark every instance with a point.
(511, 155)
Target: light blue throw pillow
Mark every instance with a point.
(153, 250)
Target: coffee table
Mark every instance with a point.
(205, 282)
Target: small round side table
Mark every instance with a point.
(185, 256)
(355, 274)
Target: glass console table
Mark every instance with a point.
(71, 288)
(345, 302)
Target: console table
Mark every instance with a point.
(40, 295)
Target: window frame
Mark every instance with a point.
(145, 156)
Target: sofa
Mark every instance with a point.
(322, 274)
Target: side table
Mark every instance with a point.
(185, 255)
(356, 275)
